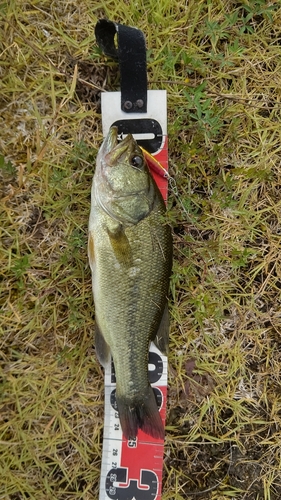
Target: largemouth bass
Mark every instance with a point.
(130, 254)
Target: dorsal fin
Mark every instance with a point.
(161, 339)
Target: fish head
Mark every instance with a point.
(123, 186)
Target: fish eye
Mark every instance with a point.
(136, 161)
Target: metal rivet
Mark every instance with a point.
(128, 104)
(139, 103)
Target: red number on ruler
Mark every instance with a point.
(132, 491)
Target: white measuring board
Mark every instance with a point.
(132, 470)
(149, 129)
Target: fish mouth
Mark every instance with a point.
(112, 150)
(110, 141)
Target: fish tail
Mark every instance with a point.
(140, 413)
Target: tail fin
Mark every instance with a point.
(140, 414)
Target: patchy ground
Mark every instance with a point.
(220, 63)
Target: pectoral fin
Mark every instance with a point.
(120, 245)
(102, 348)
(161, 339)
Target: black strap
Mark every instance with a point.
(131, 54)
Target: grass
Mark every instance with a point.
(220, 63)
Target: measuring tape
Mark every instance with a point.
(132, 469)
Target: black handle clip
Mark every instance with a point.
(131, 54)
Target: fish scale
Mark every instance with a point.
(130, 310)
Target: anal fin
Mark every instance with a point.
(102, 348)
